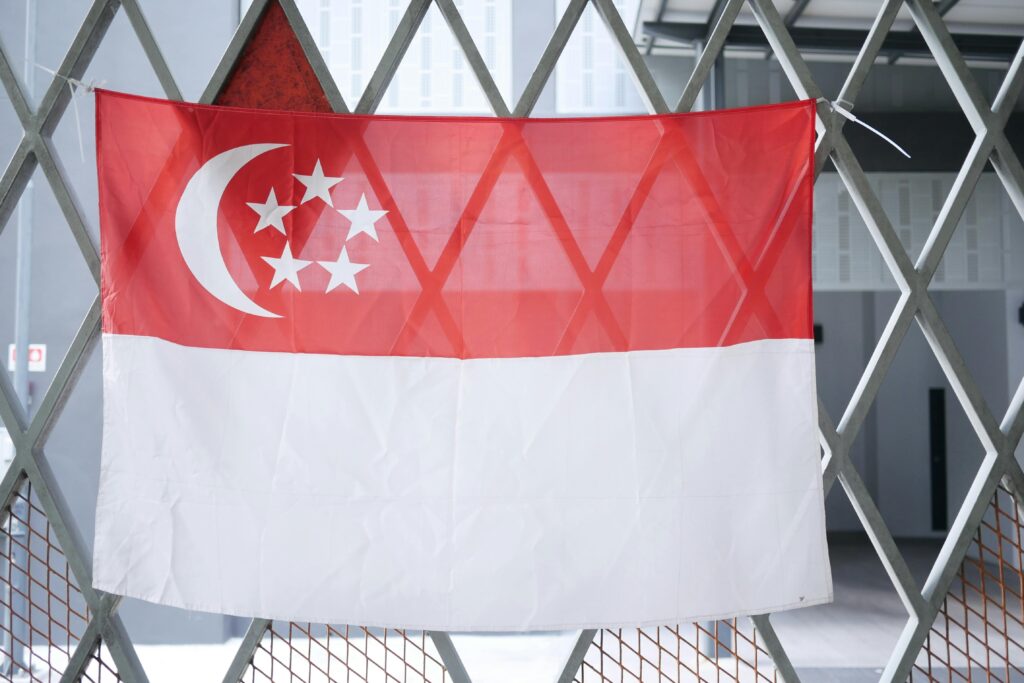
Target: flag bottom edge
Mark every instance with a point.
(470, 628)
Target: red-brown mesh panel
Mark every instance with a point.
(272, 72)
(100, 668)
(978, 634)
(42, 612)
(717, 651)
(315, 653)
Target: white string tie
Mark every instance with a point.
(848, 115)
(72, 84)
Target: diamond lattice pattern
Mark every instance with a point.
(968, 611)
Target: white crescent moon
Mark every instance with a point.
(195, 224)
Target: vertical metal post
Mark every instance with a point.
(24, 256)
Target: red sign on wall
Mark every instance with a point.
(36, 357)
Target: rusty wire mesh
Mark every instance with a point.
(42, 613)
(100, 668)
(726, 650)
(313, 653)
(979, 631)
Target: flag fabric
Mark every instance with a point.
(458, 373)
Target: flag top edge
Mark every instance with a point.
(450, 118)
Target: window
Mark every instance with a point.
(434, 76)
(592, 51)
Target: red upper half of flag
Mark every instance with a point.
(451, 236)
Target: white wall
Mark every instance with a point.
(847, 320)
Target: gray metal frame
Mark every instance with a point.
(999, 438)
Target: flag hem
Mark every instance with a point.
(794, 104)
(323, 619)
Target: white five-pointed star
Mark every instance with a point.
(317, 184)
(271, 213)
(286, 268)
(343, 271)
(362, 218)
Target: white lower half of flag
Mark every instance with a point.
(610, 489)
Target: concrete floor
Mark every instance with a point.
(852, 638)
(847, 641)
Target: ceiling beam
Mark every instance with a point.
(942, 7)
(661, 15)
(840, 41)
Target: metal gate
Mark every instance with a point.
(61, 629)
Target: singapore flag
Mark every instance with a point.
(458, 373)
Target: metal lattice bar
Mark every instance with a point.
(476, 61)
(642, 76)
(392, 57)
(104, 634)
(711, 51)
